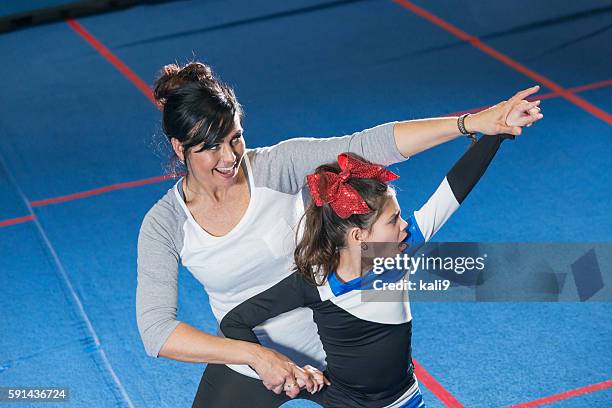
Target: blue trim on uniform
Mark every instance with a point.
(365, 282)
(416, 401)
(338, 288)
(415, 236)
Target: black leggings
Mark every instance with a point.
(222, 387)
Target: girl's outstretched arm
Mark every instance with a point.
(453, 190)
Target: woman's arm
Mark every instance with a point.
(415, 136)
(188, 344)
(284, 166)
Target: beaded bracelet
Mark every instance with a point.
(463, 130)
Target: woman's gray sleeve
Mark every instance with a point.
(283, 167)
(157, 290)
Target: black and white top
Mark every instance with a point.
(368, 344)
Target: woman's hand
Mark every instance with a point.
(278, 373)
(507, 116)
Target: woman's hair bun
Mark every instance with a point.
(173, 76)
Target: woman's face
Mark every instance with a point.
(218, 165)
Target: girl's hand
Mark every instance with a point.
(278, 373)
(507, 116)
(317, 378)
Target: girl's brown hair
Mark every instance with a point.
(324, 232)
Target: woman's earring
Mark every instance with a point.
(364, 246)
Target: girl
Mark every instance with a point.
(367, 343)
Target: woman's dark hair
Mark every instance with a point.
(198, 109)
(324, 232)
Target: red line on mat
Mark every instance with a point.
(13, 221)
(565, 395)
(517, 66)
(99, 190)
(112, 58)
(581, 88)
(548, 95)
(594, 85)
(434, 386)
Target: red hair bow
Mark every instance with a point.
(331, 188)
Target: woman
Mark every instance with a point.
(231, 222)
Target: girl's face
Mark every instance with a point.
(390, 226)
